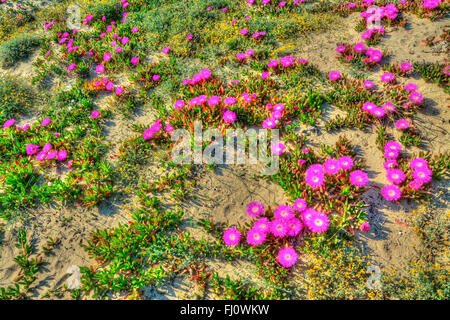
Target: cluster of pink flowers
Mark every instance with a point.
(203, 75)
(369, 33)
(243, 56)
(46, 153)
(431, 4)
(276, 115)
(150, 132)
(109, 85)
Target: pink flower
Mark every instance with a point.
(393, 145)
(418, 163)
(32, 149)
(166, 50)
(405, 66)
(359, 47)
(125, 40)
(346, 162)
(300, 205)
(214, 100)
(189, 37)
(262, 224)
(340, 49)
(47, 147)
(229, 116)
(416, 97)
(284, 212)
(9, 123)
(415, 184)
(423, 175)
(318, 222)
(179, 104)
(156, 77)
(134, 60)
(243, 31)
(269, 123)
(287, 257)
(365, 226)
(314, 179)
(396, 176)
(135, 29)
(62, 155)
(100, 68)
(119, 90)
(95, 114)
(294, 226)
(278, 228)
(45, 122)
(402, 124)
(334, 75)
(391, 192)
(265, 75)
(332, 166)
(359, 178)
(368, 84)
(410, 87)
(391, 154)
(277, 148)
(387, 77)
(71, 66)
(232, 237)
(255, 237)
(388, 107)
(229, 101)
(390, 164)
(255, 209)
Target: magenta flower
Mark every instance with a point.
(135, 29)
(415, 184)
(387, 77)
(277, 148)
(255, 209)
(41, 156)
(284, 212)
(300, 205)
(391, 192)
(71, 66)
(411, 87)
(156, 77)
(166, 50)
(368, 84)
(45, 122)
(369, 107)
(402, 124)
(179, 104)
(119, 90)
(346, 162)
(255, 237)
(389, 107)
(359, 178)
(391, 154)
(416, 97)
(314, 180)
(395, 176)
(334, 75)
(232, 237)
(405, 66)
(418, 163)
(9, 123)
(340, 49)
(278, 228)
(52, 154)
(47, 147)
(134, 60)
(332, 166)
(95, 114)
(214, 100)
(318, 223)
(265, 75)
(243, 31)
(262, 224)
(360, 47)
(62, 155)
(229, 116)
(390, 164)
(393, 145)
(100, 68)
(189, 37)
(229, 101)
(423, 175)
(107, 56)
(294, 226)
(365, 226)
(287, 257)
(32, 149)
(109, 86)
(269, 123)
(241, 56)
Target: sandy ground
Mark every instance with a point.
(224, 193)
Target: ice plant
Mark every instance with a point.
(318, 223)
(402, 124)
(287, 257)
(255, 209)
(395, 176)
(391, 192)
(332, 166)
(232, 237)
(284, 212)
(359, 178)
(229, 116)
(346, 162)
(334, 75)
(300, 205)
(262, 224)
(255, 237)
(277, 148)
(278, 228)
